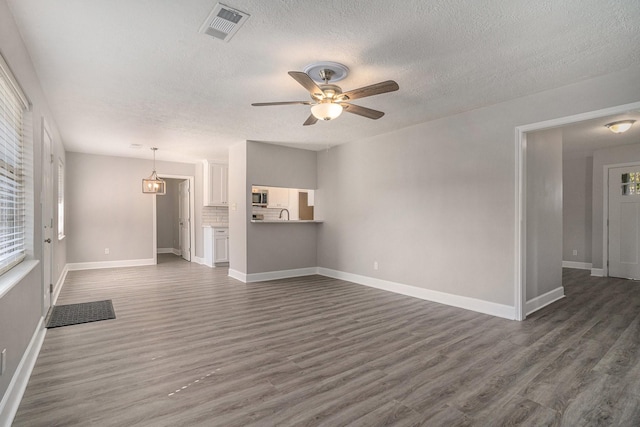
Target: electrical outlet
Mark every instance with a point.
(106, 251)
(575, 252)
(375, 265)
(3, 361)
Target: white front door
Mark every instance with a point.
(46, 201)
(624, 222)
(185, 220)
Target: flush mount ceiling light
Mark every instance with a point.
(620, 126)
(154, 185)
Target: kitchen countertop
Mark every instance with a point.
(280, 221)
(216, 225)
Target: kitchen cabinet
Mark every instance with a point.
(216, 245)
(216, 184)
(278, 198)
(220, 245)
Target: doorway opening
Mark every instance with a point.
(523, 242)
(173, 214)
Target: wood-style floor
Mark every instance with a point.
(191, 346)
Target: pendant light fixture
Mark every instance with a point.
(154, 185)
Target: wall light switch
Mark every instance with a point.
(375, 265)
(3, 361)
(575, 252)
(106, 251)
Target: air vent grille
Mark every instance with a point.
(223, 22)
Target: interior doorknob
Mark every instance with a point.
(47, 240)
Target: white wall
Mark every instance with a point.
(544, 212)
(435, 203)
(577, 183)
(601, 158)
(115, 214)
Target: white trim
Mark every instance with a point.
(597, 272)
(74, 266)
(578, 265)
(13, 395)
(58, 287)
(282, 274)
(235, 274)
(192, 209)
(198, 260)
(169, 251)
(481, 306)
(14, 276)
(544, 300)
(520, 164)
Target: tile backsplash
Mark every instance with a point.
(215, 215)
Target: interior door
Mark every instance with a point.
(46, 202)
(624, 222)
(185, 219)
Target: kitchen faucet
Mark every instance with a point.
(284, 210)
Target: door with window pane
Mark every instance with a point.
(624, 222)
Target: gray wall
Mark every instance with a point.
(21, 307)
(611, 156)
(168, 214)
(434, 203)
(544, 212)
(239, 207)
(577, 183)
(275, 247)
(117, 215)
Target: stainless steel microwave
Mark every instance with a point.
(260, 198)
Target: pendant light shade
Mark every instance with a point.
(154, 185)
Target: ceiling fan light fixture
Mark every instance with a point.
(620, 126)
(326, 110)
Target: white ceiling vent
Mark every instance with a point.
(223, 22)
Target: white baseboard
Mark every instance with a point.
(169, 251)
(18, 384)
(235, 274)
(198, 260)
(579, 265)
(544, 300)
(481, 306)
(73, 266)
(58, 287)
(597, 272)
(282, 274)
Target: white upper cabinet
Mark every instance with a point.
(278, 197)
(216, 184)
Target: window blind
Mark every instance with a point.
(13, 105)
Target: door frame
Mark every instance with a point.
(192, 230)
(605, 212)
(520, 289)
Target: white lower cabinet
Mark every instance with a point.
(216, 245)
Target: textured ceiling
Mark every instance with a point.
(122, 72)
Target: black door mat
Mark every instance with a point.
(73, 314)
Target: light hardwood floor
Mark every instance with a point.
(191, 346)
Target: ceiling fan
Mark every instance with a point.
(327, 99)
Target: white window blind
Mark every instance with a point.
(13, 105)
(60, 199)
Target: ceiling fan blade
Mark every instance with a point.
(362, 111)
(376, 89)
(308, 83)
(311, 120)
(265, 104)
